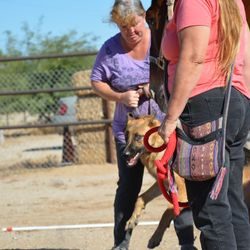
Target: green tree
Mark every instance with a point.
(41, 74)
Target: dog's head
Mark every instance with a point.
(135, 131)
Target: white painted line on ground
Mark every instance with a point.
(56, 227)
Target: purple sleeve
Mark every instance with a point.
(100, 72)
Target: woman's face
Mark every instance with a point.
(132, 34)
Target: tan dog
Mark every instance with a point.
(135, 150)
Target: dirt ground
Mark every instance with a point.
(79, 196)
(70, 195)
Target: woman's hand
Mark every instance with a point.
(130, 98)
(145, 90)
(167, 128)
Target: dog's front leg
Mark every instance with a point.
(141, 203)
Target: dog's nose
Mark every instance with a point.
(126, 152)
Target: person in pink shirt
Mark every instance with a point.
(201, 42)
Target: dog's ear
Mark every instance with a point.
(153, 122)
(130, 116)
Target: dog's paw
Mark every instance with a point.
(132, 222)
(139, 207)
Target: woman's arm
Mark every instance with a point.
(193, 42)
(193, 46)
(130, 98)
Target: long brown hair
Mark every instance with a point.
(230, 25)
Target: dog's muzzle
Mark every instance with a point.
(133, 156)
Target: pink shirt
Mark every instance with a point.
(206, 13)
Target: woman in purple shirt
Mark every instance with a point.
(120, 71)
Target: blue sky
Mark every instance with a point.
(59, 16)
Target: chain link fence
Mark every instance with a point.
(54, 133)
(49, 115)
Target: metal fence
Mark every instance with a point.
(38, 117)
(35, 92)
(52, 126)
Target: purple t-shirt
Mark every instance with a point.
(115, 67)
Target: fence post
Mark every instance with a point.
(68, 153)
(108, 132)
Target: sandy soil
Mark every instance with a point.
(34, 196)
(70, 195)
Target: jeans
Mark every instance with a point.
(224, 223)
(129, 186)
(183, 225)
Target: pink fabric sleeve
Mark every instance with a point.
(193, 12)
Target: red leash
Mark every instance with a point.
(163, 171)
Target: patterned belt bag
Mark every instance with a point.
(199, 151)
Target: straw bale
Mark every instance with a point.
(81, 79)
(91, 139)
(112, 108)
(90, 142)
(89, 108)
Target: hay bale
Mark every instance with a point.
(90, 139)
(91, 147)
(81, 79)
(89, 108)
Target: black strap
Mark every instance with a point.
(165, 79)
(225, 110)
(215, 135)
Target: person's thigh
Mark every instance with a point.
(204, 107)
(129, 185)
(237, 131)
(130, 179)
(183, 225)
(212, 217)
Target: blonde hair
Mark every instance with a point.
(124, 11)
(230, 24)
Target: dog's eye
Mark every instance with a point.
(138, 137)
